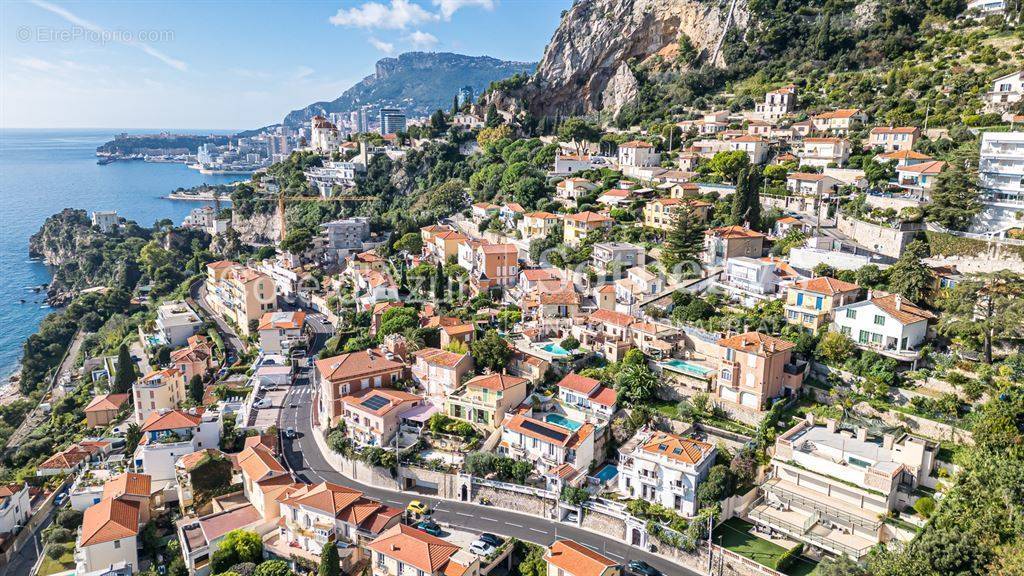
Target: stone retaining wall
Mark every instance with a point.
(605, 524)
(515, 501)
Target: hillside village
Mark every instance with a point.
(761, 339)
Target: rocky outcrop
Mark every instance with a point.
(257, 228)
(62, 236)
(586, 65)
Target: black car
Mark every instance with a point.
(642, 568)
(492, 539)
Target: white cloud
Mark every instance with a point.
(36, 64)
(120, 38)
(303, 72)
(450, 7)
(396, 16)
(422, 39)
(385, 47)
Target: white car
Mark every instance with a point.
(261, 404)
(481, 548)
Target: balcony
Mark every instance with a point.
(805, 498)
(809, 529)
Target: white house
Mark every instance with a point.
(545, 444)
(105, 220)
(638, 285)
(665, 469)
(587, 396)
(279, 331)
(1005, 90)
(777, 103)
(889, 325)
(571, 189)
(323, 514)
(919, 178)
(566, 164)
(169, 435)
(755, 146)
(824, 152)
(986, 7)
(809, 184)
(108, 536)
(638, 154)
(15, 507)
(175, 322)
(750, 279)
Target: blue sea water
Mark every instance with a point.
(45, 171)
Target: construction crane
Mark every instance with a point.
(281, 199)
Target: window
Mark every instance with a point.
(851, 313)
(817, 303)
(863, 337)
(845, 330)
(117, 544)
(876, 338)
(800, 299)
(879, 320)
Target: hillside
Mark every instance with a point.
(417, 82)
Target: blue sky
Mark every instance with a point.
(234, 64)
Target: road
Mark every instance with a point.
(304, 458)
(231, 340)
(25, 558)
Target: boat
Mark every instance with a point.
(105, 161)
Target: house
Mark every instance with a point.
(665, 469)
(888, 324)
(552, 307)
(660, 212)
(108, 536)
(615, 197)
(133, 488)
(195, 359)
(239, 294)
(493, 266)
(185, 467)
(726, 242)
(684, 190)
(787, 224)
(402, 550)
(439, 371)
(176, 322)
(810, 303)
(569, 558)
(839, 121)
(452, 329)
(326, 514)
(622, 254)
(527, 366)
(777, 103)
(372, 415)
(570, 190)
(1006, 90)
(919, 178)
(756, 147)
(755, 368)
(511, 212)
(201, 537)
(545, 444)
(638, 154)
(587, 396)
(105, 220)
(73, 458)
(566, 164)
(607, 331)
(810, 184)
(158, 390)
(824, 152)
(903, 157)
(893, 138)
(377, 313)
(484, 211)
(279, 331)
(578, 226)
(486, 399)
(833, 488)
(750, 279)
(638, 285)
(104, 409)
(345, 374)
(440, 243)
(538, 224)
(166, 437)
(15, 507)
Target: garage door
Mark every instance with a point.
(749, 400)
(729, 394)
(426, 486)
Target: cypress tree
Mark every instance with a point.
(125, 376)
(330, 565)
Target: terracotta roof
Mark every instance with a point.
(535, 274)
(414, 547)
(514, 207)
(903, 310)
(109, 520)
(562, 471)
(823, 140)
(499, 249)
(106, 402)
(605, 396)
(636, 144)
(393, 399)
(928, 167)
(756, 343)
(440, 357)
(730, 232)
(826, 285)
(352, 365)
(842, 113)
(894, 130)
(612, 317)
(542, 215)
(517, 424)
(267, 440)
(67, 459)
(905, 155)
(216, 525)
(128, 484)
(581, 384)
(258, 462)
(747, 138)
(677, 448)
(806, 176)
(326, 497)
(562, 298)
(282, 320)
(221, 264)
(787, 220)
(576, 559)
(496, 382)
(171, 420)
(589, 217)
(191, 460)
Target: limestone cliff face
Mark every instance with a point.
(256, 228)
(585, 65)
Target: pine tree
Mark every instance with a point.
(195, 389)
(685, 241)
(439, 282)
(955, 198)
(125, 370)
(739, 199)
(909, 277)
(823, 42)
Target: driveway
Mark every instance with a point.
(231, 340)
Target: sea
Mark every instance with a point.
(44, 171)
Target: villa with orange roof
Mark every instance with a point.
(810, 184)
(839, 121)
(195, 359)
(166, 437)
(404, 550)
(486, 399)
(15, 506)
(570, 190)
(893, 138)
(104, 409)
(545, 444)
(921, 177)
(755, 368)
(538, 224)
(345, 374)
(281, 330)
(809, 303)
(824, 152)
(570, 558)
(439, 371)
(452, 329)
(886, 323)
(660, 213)
(586, 396)
(441, 243)
(73, 458)
(638, 154)
(576, 227)
(905, 157)
(156, 391)
(484, 210)
(373, 415)
(108, 536)
(726, 242)
(239, 294)
(665, 469)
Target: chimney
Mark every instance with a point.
(899, 302)
(862, 433)
(810, 418)
(870, 292)
(887, 441)
(830, 424)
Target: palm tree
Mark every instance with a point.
(132, 437)
(636, 383)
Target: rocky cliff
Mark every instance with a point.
(586, 65)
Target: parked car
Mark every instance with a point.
(289, 433)
(642, 568)
(417, 507)
(430, 527)
(481, 548)
(263, 403)
(492, 539)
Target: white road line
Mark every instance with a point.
(488, 519)
(392, 501)
(516, 525)
(464, 514)
(614, 554)
(539, 531)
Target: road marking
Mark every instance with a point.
(613, 554)
(488, 519)
(539, 531)
(393, 502)
(464, 514)
(516, 525)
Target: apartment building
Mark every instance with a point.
(756, 147)
(839, 121)
(176, 322)
(485, 399)
(439, 372)
(660, 213)
(810, 303)
(239, 294)
(755, 368)
(167, 436)
(893, 138)
(340, 175)
(279, 331)
(195, 359)
(824, 152)
(576, 227)
(493, 266)
(665, 468)
(345, 374)
(831, 487)
(546, 445)
(888, 324)
(346, 236)
(638, 154)
(372, 416)
(402, 550)
(108, 537)
(569, 558)
(538, 224)
(160, 390)
(586, 398)
(604, 255)
(777, 103)
(1000, 173)
(726, 242)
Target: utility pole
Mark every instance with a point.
(927, 110)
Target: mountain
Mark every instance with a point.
(417, 82)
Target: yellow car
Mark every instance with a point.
(417, 507)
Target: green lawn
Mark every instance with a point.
(734, 534)
(51, 566)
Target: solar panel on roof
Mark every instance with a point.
(544, 431)
(375, 402)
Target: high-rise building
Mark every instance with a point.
(392, 121)
(465, 95)
(1000, 170)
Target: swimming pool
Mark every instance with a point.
(555, 349)
(685, 367)
(607, 473)
(559, 420)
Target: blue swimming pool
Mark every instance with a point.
(559, 420)
(607, 473)
(555, 349)
(685, 367)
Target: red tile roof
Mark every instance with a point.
(109, 520)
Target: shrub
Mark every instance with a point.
(786, 560)
(925, 506)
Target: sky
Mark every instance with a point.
(232, 64)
